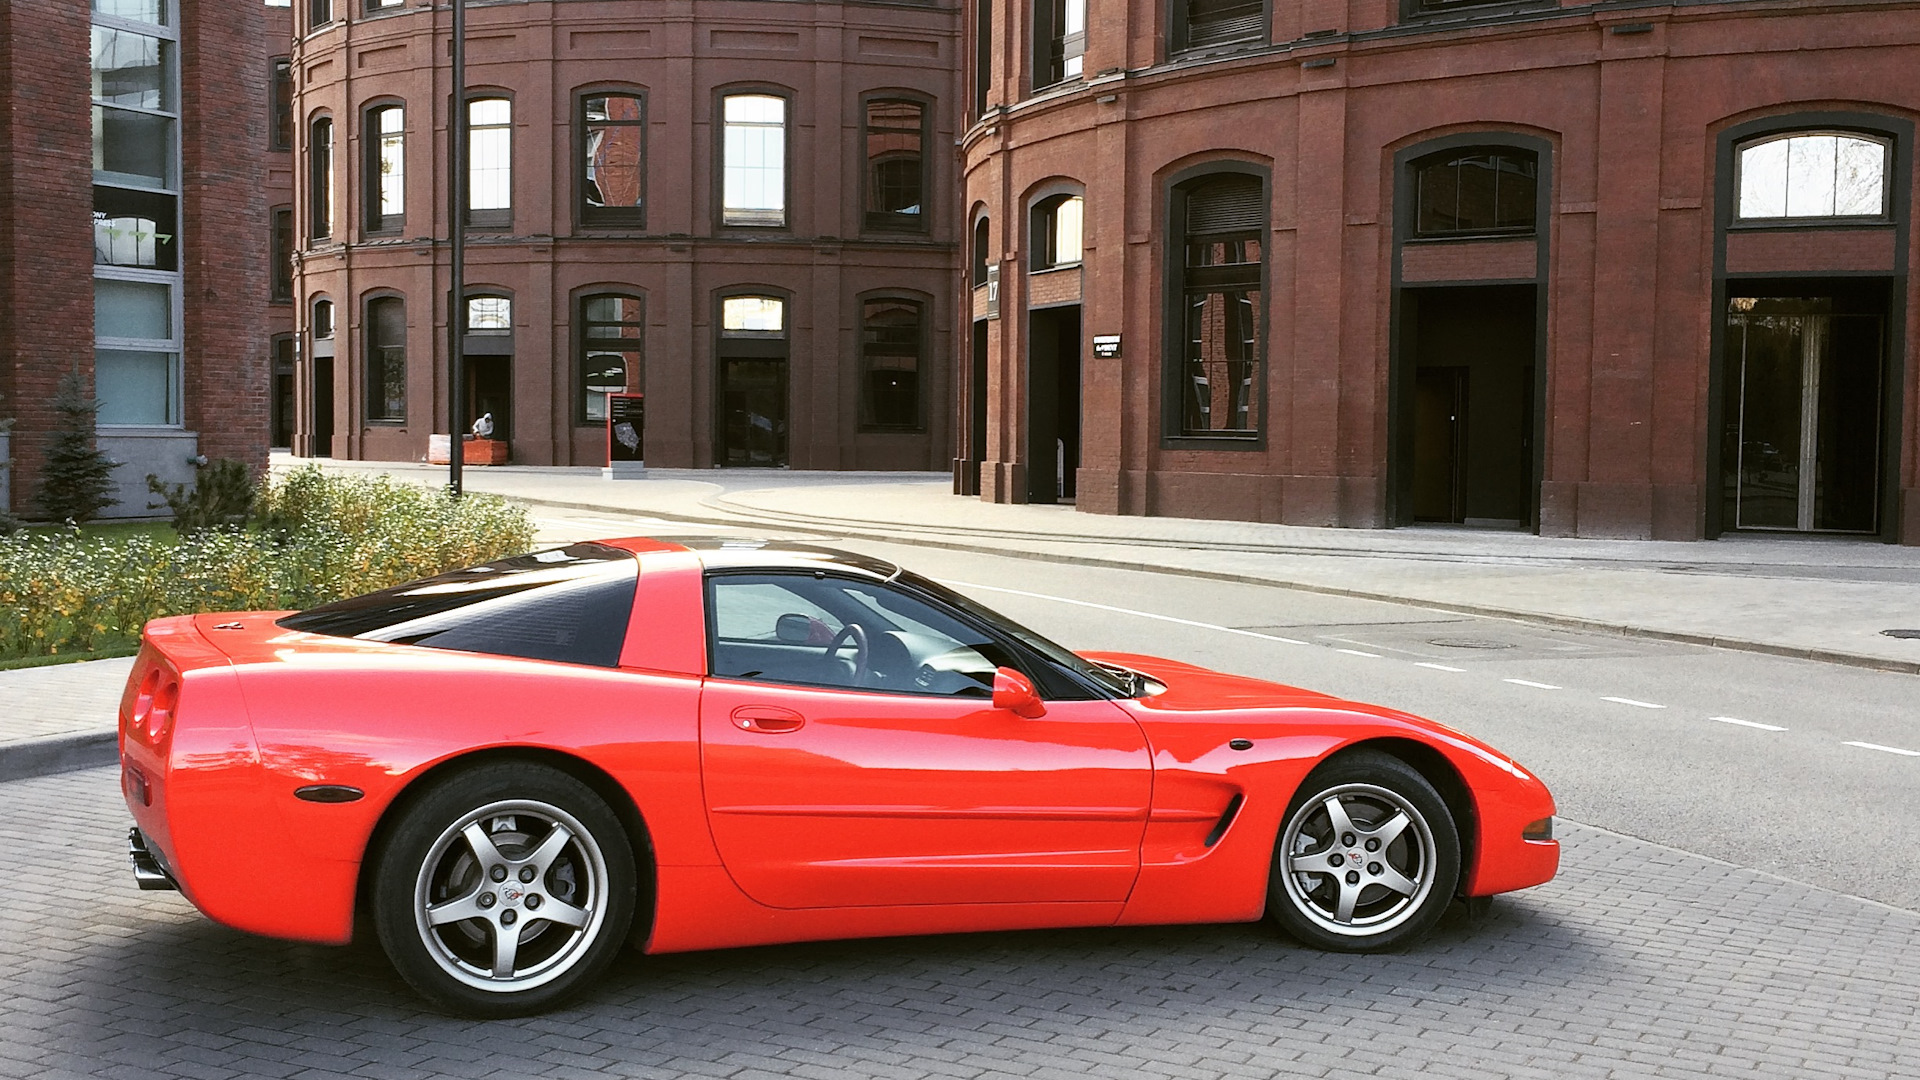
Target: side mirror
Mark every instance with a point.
(1013, 692)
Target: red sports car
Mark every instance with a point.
(513, 770)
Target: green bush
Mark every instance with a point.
(222, 494)
(318, 538)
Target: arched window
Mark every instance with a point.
(1813, 174)
(490, 161)
(896, 171)
(384, 146)
(612, 178)
(1057, 227)
(1477, 191)
(891, 346)
(386, 358)
(320, 178)
(981, 257)
(1219, 291)
(753, 160)
(612, 335)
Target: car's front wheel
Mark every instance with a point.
(1368, 857)
(503, 889)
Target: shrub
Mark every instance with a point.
(74, 485)
(325, 538)
(223, 494)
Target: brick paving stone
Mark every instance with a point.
(1611, 972)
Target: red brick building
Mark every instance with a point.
(130, 219)
(1591, 270)
(744, 210)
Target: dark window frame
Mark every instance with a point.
(373, 222)
(280, 268)
(1042, 231)
(378, 413)
(1417, 171)
(719, 128)
(493, 218)
(320, 177)
(923, 305)
(280, 104)
(584, 341)
(1181, 22)
(981, 253)
(982, 57)
(1174, 291)
(633, 218)
(1466, 10)
(892, 221)
(320, 15)
(1887, 195)
(1053, 47)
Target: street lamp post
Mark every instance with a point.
(457, 246)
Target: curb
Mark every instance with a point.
(58, 753)
(937, 539)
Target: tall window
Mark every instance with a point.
(135, 77)
(1213, 24)
(1813, 174)
(280, 288)
(1057, 224)
(280, 104)
(490, 161)
(386, 332)
(896, 170)
(982, 55)
(613, 129)
(612, 333)
(1059, 40)
(319, 13)
(890, 344)
(981, 257)
(754, 160)
(320, 178)
(322, 324)
(1475, 192)
(1222, 219)
(384, 144)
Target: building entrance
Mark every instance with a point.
(1470, 458)
(322, 429)
(1053, 404)
(1802, 413)
(753, 413)
(490, 392)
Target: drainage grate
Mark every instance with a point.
(1913, 634)
(1470, 643)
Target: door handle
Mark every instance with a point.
(767, 719)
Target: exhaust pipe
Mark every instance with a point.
(147, 871)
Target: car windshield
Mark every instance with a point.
(1116, 681)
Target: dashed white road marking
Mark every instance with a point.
(1886, 749)
(1437, 667)
(1357, 652)
(1747, 723)
(1127, 611)
(1530, 682)
(1635, 704)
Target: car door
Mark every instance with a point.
(851, 756)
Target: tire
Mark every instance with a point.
(510, 848)
(1367, 858)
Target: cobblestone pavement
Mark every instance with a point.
(1639, 961)
(61, 698)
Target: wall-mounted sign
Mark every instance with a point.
(1106, 346)
(993, 292)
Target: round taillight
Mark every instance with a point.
(164, 699)
(143, 697)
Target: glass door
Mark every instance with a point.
(753, 413)
(1803, 408)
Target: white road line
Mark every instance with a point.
(1529, 682)
(1437, 667)
(1127, 611)
(1636, 704)
(1887, 749)
(1747, 723)
(1357, 652)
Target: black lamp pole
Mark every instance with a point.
(457, 247)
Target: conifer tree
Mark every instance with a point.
(75, 483)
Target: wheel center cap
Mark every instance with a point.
(510, 894)
(1355, 857)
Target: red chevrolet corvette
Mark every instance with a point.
(514, 769)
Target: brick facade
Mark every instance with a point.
(1629, 108)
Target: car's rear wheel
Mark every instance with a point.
(1368, 856)
(504, 889)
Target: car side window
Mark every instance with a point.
(805, 629)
